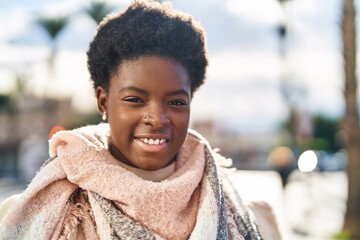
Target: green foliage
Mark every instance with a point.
(21, 80)
(318, 144)
(98, 10)
(325, 129)
(4, 101)
(53, 25)
(344, 235)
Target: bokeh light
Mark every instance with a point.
(307, 161)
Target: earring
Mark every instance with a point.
(104, 116)
(147, 117)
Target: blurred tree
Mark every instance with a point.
(97, 10)
(11, 105)
(4, 102)
(53, 26)
(17, 94)
(325, 130)
(289, 90)
(351, 119)
(21, 79)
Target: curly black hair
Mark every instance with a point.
(147, 29)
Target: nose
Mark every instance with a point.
(157, 117)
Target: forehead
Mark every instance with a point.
(151, 72)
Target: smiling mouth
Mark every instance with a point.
(152, 141)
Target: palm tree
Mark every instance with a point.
(53, 27)
(287, 87)
(351, 119)
(98, 10)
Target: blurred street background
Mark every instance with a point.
(275, 98)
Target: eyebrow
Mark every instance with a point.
(133, 88)
(180, 91)
(142, 91)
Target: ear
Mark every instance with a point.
(102, 99)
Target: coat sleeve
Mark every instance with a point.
(265, 219)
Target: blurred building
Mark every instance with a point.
(24, 127)
(247, 151)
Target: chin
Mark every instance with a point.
(152, 163)
(151, 168)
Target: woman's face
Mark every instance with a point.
(148, 109)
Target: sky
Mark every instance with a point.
(242, 90)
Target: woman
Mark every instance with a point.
(143, 175)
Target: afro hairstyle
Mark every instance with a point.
(147, 28)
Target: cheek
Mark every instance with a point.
(121, 118)
(121, 125)
(182, 130)
(182, 121)
(185, 118)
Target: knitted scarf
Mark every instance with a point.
(83, 191)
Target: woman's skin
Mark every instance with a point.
(148, 109)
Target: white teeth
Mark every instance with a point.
(153, 141)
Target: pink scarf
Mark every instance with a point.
(82, 192)
(167, 208)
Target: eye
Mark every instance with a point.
(178, 103)
(133, 100)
